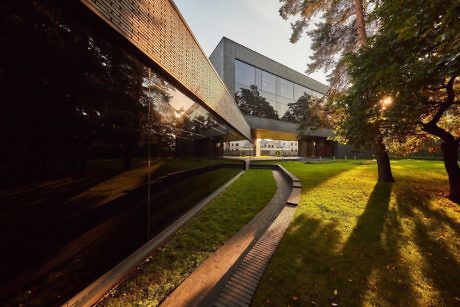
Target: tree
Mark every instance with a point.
(297, 110)
(316, 114)
(250, 102)
(414, 62)
(341, 30)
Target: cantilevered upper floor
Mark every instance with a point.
(272, 96)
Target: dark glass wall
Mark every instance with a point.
(100, 150)
(260, 93)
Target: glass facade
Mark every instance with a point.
(260, 93)
(93, 137)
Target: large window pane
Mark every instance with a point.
(244, 73)
(299, 91)
(285, 88)
(268, 96)
(281, 108)
(268, 82)
(259, 78)
(239, 87)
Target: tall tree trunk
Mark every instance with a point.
(383, 162)
(360, 22)
(450, 154)
(449, 148)
(381, 153)
(449, 144)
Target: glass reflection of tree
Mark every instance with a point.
(75, 97)
(163, 117)
(54, 99)
(251, 102)
(125, 84)
(297, 110)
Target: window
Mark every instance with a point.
(268, 82)
(299, 91)
(285, 88)
(259, 78)
(281, 108)
(277, 91)
(245, 74)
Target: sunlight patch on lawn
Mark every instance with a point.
(357, 242)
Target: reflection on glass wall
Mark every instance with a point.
(260, 93)
(99, 151)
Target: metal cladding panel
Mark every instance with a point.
(159, 31)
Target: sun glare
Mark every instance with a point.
(386, 102)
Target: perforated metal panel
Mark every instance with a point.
(158, 30)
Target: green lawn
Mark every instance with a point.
(196, 241)
(353, 242)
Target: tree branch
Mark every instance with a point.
(444, 106)
(439, 132)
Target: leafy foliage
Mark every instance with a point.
(414, 59)
(334, 34)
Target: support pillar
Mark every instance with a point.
(257, 144)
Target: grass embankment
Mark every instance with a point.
(196, 241)
(353, 242)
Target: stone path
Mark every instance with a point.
(204, 285)
(242, 285)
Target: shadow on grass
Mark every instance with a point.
(329, 271)
(440, 265)
(400, 252)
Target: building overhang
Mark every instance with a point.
(158, 30)
(265, 128)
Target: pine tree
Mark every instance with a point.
(341, 30)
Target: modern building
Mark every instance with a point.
(113, 125)
(98, 100)
(273, 98)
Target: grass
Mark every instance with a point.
(353, 242)
(196, 241)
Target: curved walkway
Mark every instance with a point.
(242, 285)
(213, 279)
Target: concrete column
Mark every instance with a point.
(257, 144)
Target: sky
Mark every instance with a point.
(253, 23)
